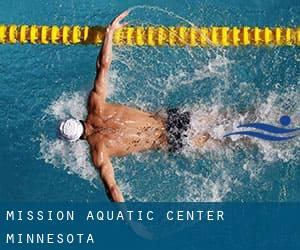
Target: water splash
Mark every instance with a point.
(74, 158)
(192, 185)
(215, 85)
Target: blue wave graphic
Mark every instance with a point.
(269, 128)
(262, 136)
(284, 121)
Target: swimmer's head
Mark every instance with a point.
(70, 130)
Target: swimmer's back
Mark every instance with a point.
(126, 130)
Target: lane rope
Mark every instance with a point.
(152, 35)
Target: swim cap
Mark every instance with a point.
(70, 129)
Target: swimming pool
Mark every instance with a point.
(42, 84)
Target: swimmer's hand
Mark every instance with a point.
(115, 24)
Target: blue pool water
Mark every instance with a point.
(42, 84)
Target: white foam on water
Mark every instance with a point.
(174, 182)
(216, 68)
(68, 105)
(213, 118)
(218, 120)
(72, 157)
(200, 188)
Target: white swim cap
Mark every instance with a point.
(70, 130)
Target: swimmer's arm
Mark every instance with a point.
(105, 56)
(103, 164)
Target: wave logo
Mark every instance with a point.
(279, 133)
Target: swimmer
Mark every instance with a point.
(114, 130)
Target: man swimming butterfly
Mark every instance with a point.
(117, 130)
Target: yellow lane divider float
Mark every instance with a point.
(152, 36)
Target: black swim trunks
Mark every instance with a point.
(177, 125)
